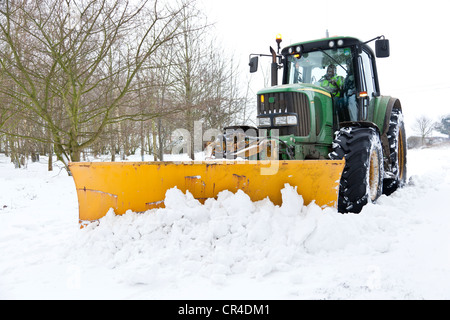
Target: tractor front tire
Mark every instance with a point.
(362, 178)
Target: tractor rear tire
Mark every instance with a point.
(396, 173)
(362, 178)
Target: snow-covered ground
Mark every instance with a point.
(229, 248)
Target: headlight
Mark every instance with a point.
(281, 121)
(292, 120)
(264, 122)
(285, 121)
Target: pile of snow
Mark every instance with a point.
(230, 235)
(229, 247)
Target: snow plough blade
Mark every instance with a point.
(140, 186)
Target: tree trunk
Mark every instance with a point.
(155, 144)
(50, 157)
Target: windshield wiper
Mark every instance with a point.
(332, 59)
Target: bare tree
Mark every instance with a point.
(424, 127)
(207, 83)
(155, 95)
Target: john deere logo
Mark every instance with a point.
(271, 99)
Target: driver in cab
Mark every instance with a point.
(332, 82)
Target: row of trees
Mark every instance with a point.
(110, 76)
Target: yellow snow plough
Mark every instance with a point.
(140, 186)
(326, 130)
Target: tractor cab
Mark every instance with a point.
(343, 67)
(331, 70)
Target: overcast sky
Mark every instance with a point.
(418, 71)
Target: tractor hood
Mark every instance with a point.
(309, 89)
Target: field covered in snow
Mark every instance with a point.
(229, 248)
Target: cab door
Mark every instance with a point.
(367, 83)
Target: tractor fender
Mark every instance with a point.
(382, 112)
(382, 115)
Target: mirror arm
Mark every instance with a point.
(377, 38)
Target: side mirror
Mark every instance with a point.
(382, 48)
(253, 64)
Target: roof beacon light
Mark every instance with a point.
(279, 39)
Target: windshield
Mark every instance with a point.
(318, 66)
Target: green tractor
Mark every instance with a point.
(328, 107)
